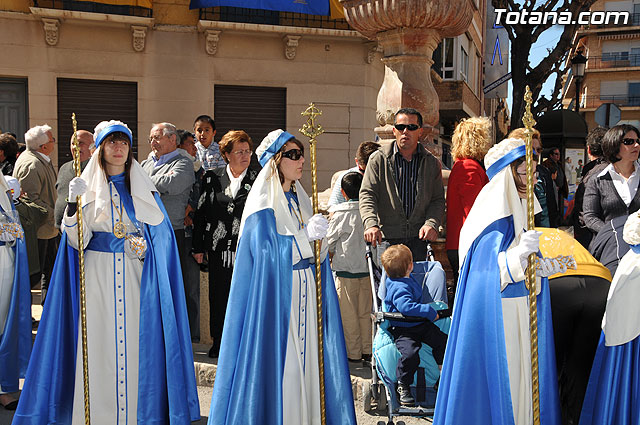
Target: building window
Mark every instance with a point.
(464, 64)
(443, 59)
(615, 56)
(634, 94)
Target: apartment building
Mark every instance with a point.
(612, 74)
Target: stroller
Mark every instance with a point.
(382, 388)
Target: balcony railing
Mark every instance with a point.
(620, 100)
(634, 20)
(271, 17)
(613, 61)
(95, 7)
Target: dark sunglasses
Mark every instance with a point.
(630, 142)
(410, 127)
(293, 154)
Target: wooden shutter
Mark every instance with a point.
(94, 101)
(256, 110)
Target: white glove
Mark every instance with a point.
(5, 235)
(77, 187)
(529, 244)
(317, 227)
(549, 267)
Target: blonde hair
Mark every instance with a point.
(396, 261)
(518, 133)
(472, 138)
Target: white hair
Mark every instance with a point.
(36, 137)
(104, 124)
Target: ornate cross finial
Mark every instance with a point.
(527, 119)
(310, 129)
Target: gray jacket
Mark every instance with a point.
(601, 202)
(380, 203)
(173, 180)
(65, 175)
(344, 239)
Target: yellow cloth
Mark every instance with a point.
(554, 242)
(336, 9)
(148, 4)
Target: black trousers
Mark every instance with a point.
(577, 307)
(417, 246)
(409, 340)
(47, 251)
(191, 278)
(219, 284)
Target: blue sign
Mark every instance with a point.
(311, 7)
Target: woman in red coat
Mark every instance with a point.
(471, 142)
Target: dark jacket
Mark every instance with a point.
(602, 203)
(217, 220)
(580, 230)
(404, 295)
(380, 203)
(608, 246)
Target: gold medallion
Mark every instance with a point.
(119, 230)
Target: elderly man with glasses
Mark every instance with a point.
(402, 194)
(172, 174)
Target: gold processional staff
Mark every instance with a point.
(313, 130)
(83, 301)
(530, 276)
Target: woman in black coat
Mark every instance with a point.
(224, 191)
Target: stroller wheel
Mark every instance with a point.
(382, 398)
(366, 396)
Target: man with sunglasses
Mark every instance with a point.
(402, 194)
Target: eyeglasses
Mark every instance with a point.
(630, 142)
(410, 127)
(555, 153)
(155, 138)
(293, 154)
(242, 152)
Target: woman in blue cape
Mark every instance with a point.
(486, 375)
(139, 348)
(613, 393)
(15, 296)
(268, 365)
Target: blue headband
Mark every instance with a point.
(514, 154)
(112, 129)
(274, 147)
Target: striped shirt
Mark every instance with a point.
(406, 176)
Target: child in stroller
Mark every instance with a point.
(404, 295)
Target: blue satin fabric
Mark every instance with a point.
(475, 380)
(15, 340)
(495, 168)
(613, 393)
(248, 386)
(105, 242)
(167, 392)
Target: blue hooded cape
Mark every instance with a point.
(248, 385)
(613, 393)
(167, 391)
(475, 380)
(15, 339)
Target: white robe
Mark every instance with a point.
(113, 312)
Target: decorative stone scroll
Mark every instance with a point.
(139, 33)
(51, 31)
(291, 45)
(211, 45)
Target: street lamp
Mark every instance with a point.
(578, 64)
